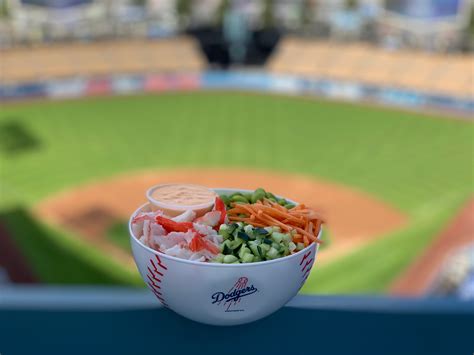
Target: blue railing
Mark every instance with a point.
(82, 320)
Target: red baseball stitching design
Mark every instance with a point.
(305, 256)
(159, 273)
(160, 263)
(305, 270)
(152, 282)
(307, 263)
(154, 289)
(155, 275)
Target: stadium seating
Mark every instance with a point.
(100, 58)
(439, 73)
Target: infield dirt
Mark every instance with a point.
(354, 218)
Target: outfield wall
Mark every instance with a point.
(236, 80)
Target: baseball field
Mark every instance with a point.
(413, 171)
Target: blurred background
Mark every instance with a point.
(361, 108)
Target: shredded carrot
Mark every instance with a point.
(298, 238)
(306, 240)
(247, 220)
(301, 219)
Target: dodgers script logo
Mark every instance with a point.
(231, 298)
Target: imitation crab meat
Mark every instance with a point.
(209, 219)
(183, 236)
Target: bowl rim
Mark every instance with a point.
(208, 264)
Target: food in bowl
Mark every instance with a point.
(238, 228)
(209, 285)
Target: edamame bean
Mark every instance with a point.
(258, 195)
(239, 198)
(289, 206)
(225, 199)
(270, 196)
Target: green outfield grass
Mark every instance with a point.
(118, 234)
(371, 269)
(419, 164)
(56, 257)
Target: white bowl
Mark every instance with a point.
(222, 294)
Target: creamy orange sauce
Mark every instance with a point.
(183, 195)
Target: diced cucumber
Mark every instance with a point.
(287, 238)
(219, 258)
(236, 243)
(254, 242)
(299, 246)
(269, 229)
(261, 231)
(224, 231)
(291, 246)
(227, 247)
(224, 228)
(243, 236)
(244, 243)
(272, 253)
(244, 250)
(228, 259)
(278, 237)
(248, 229)
(237, 249)
(235, 233)
(254, 249)
(247, 258)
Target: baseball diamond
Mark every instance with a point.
(386, 187)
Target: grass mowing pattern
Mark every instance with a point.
(404, 158)
(417, 163)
